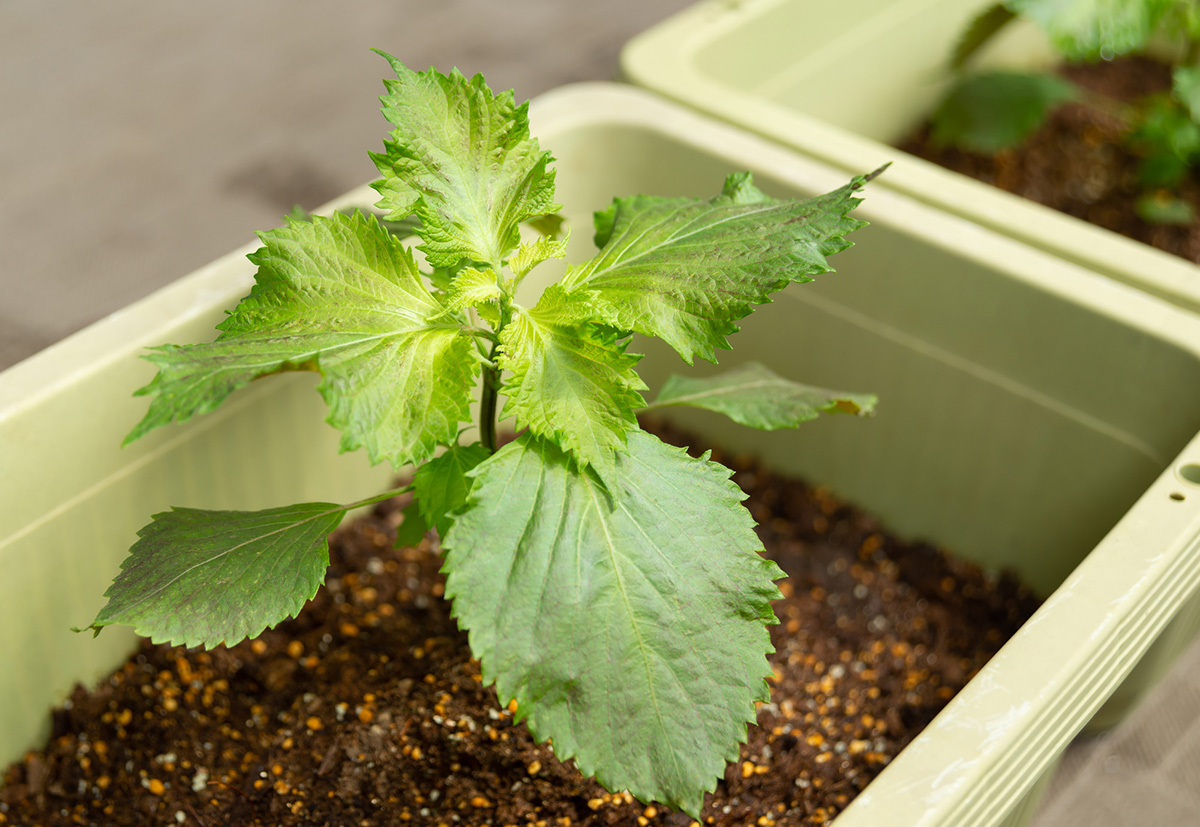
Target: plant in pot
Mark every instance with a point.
(848, 86)
(1134, 155)
(610, 584)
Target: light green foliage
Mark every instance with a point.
(566, 588)
(1091, 29)
(610, 583)
(686, 269)
(268, 563)
(571, 383)
(754, 395)
(462, 160)
(342, 296)
(992, 111)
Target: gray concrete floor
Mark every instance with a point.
(140, 140)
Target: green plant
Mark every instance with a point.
(611, 584)
(990, 111)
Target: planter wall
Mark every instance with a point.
(1033, 416)
(840, 81)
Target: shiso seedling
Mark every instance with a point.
(991, 110)
(608, 582)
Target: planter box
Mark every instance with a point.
(1033, 416)
(840, 81)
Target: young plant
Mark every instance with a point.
(989, 111)
(608, 582)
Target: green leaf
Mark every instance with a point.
(531, 255)
(549, 225)
(1185, 87)
(1167, 138)
(412, 528)
(685, 269)
(1092, 29)
(571, 383)
(627, 621)
(475, 288)
(462, 159)
(341, 296)
(982, 29)
(992, 111)
(753, 395)
(201, 578)
(441, 484)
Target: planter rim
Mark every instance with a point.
(662, 59)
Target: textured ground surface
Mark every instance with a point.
(140, 140)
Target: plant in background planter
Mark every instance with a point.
(994, 110)
(581, 557)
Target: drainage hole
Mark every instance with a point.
(1175, 495)
(1190, 472)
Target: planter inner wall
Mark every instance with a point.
(1015, 425)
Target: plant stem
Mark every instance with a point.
(487, 406)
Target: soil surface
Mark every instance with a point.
(1076, 163)
(367, 709)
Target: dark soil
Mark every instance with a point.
(1076, 162)
(367, 709)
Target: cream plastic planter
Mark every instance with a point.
(841, 80)
(1032, 416)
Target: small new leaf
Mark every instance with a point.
(462, 159)
(686, 269)
(1091, 29)
(531, 255)
(441, 485)
(201, 578)
(341, 296)
(572, 383)
(754, 395)
(627, 620)
(475, 288)
(992, 111)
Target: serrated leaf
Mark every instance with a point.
(754, 395)
(475, 288)
(341, 296)
(980, 30)
(531, 255)
(991, 111)
(201, 578)
(627, 621)
(462, 159)
(686, 269)
(1091, 29)
(571, 383)
(441, 484)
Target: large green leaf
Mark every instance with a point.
(342, 296)
(441, 485)
(685, 269)
(991, 111)
(754, 395)
(627, 621)
(1090, 29)
(462, 159)
(200, 578)
(572, 383)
